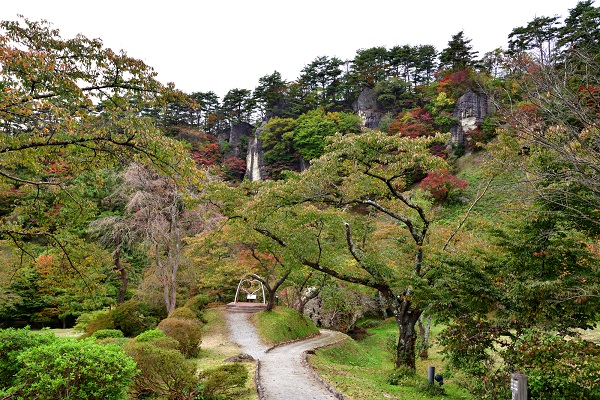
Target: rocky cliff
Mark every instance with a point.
(368, 109)
(471, 108)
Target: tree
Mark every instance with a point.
(270, 94)
(322, 78)
(114, 232)
(539, 34)
(353, 216)
(459, 54)
(208, 117)
(313, 127)
(581, 28)
(556, 126)
(238, 105)
(155, 213)
(371, 65)
(66, 104)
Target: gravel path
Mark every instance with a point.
(283, 375)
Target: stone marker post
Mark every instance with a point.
(518, 386)
(431, 375)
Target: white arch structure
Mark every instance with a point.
(250, 292)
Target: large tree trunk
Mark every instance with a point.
(406, 319)
(270, 299)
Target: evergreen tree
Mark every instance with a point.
(459, 54)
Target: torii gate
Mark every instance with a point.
(250, 285)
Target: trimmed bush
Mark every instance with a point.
(98, 321)
(186, 332)
(84, 319)
(222, 380)
(163, 373)
(13, 342)
(134, 317)
(107, 333)
(74, 369)
(149, 335)
(184, 313)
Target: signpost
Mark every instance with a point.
(518, 386)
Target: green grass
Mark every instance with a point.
(360, 369)
(283, 324)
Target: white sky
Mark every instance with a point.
(219, 45)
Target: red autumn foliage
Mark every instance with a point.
(455, 84)
(440, 183)
(415, 123)
(207, 155)
(590, 97)
(234, 167)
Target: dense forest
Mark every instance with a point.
(430, 187)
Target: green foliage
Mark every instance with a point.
(66, 105)
(186, 332)
(313, 127)
(197, 304)
(84, 318)
(223, 380)
(107, 333)
(69, 368)
(282, 324)
(459, 54)
(184, 313)
(163, 372)
(149, 335)
(556, 367)
(96, 321)
(13, 342)
(133, 317)
(394, 94)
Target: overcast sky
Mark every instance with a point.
(219, 45)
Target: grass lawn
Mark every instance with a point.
(360, 369)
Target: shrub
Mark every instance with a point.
(12, 343)
(134, 317)
(97, 321)
(107, 333)
(84, 319)
(149, 335)
(163, 373)
(186, 332)
(122, 341)
(441, 183)
(184, 313)
(429, 389)
(557, 367)
(75, 369)
(197, 303)
(221, 381)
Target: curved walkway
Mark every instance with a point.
(283, 374)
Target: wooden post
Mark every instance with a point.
(518, 386)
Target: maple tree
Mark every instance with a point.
(353, 216)
(66, 104)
